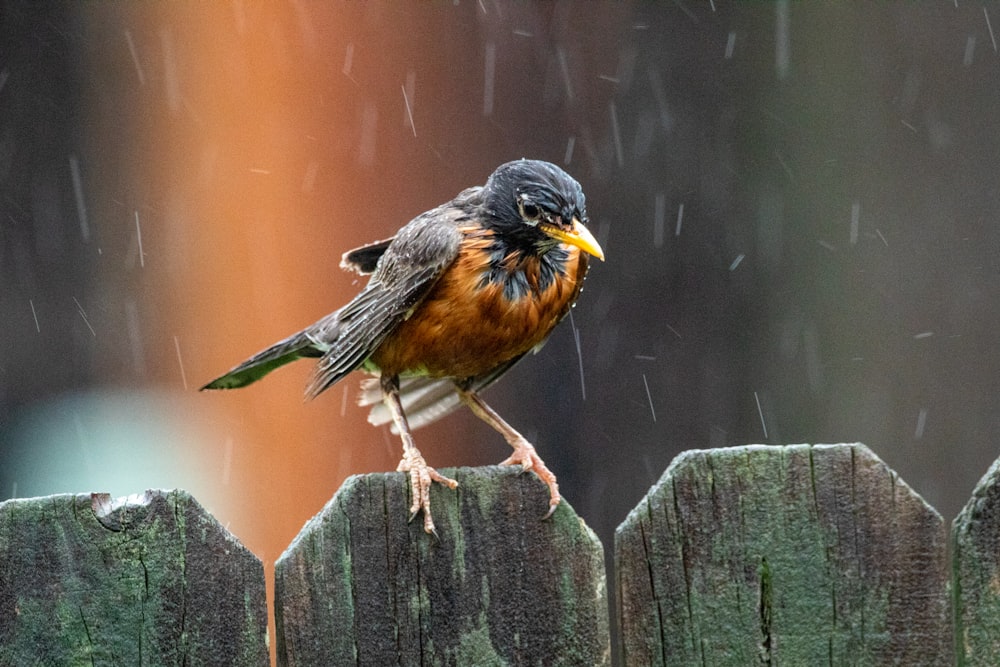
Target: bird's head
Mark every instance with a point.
(536, 205)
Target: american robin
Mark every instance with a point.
(455, 299)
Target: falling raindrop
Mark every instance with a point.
(649, 397)
(309, 178)
(730, 45)
(135, 57)
(579, 354)
(564, 68)
(180, 362)
(616, 135)
(348, 60)
(570, 144)
(782, 39)
(409, 111)
(760, 413)
(369, 122)
(34, 315)
(81, 206)
(138, 235)
(171, 81)
(990, 28)
(970, 49)
(84, 316)
(921, 423)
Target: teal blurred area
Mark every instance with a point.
(113, 442)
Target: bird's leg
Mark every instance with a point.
(421, 474)
(524, 452)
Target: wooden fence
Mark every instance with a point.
(798, 555)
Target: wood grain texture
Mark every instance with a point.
(797, 555)
(976, 566)
(500, 586)
(150, 579)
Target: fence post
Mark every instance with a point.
(976, 558)
(500, 586)
(799, 555)
(150, 579)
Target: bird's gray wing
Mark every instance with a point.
(406, 270)
(364, 260)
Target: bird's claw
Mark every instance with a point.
(526, 456)
(421, 477)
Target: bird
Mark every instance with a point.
(458, 296)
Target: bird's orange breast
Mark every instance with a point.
(467, 326)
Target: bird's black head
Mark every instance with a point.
(535, 205)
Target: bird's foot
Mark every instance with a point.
(526, 456)
(421, 477)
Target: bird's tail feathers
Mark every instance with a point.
(424, 400)
(294, 347)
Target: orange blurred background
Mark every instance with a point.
(238, 127)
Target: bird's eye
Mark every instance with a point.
(529, 211)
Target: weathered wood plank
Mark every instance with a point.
(976, 568)
(799, 555)
(500, 586)
(144, 580)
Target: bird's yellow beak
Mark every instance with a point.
(579, 236)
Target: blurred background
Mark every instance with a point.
(799, 205)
